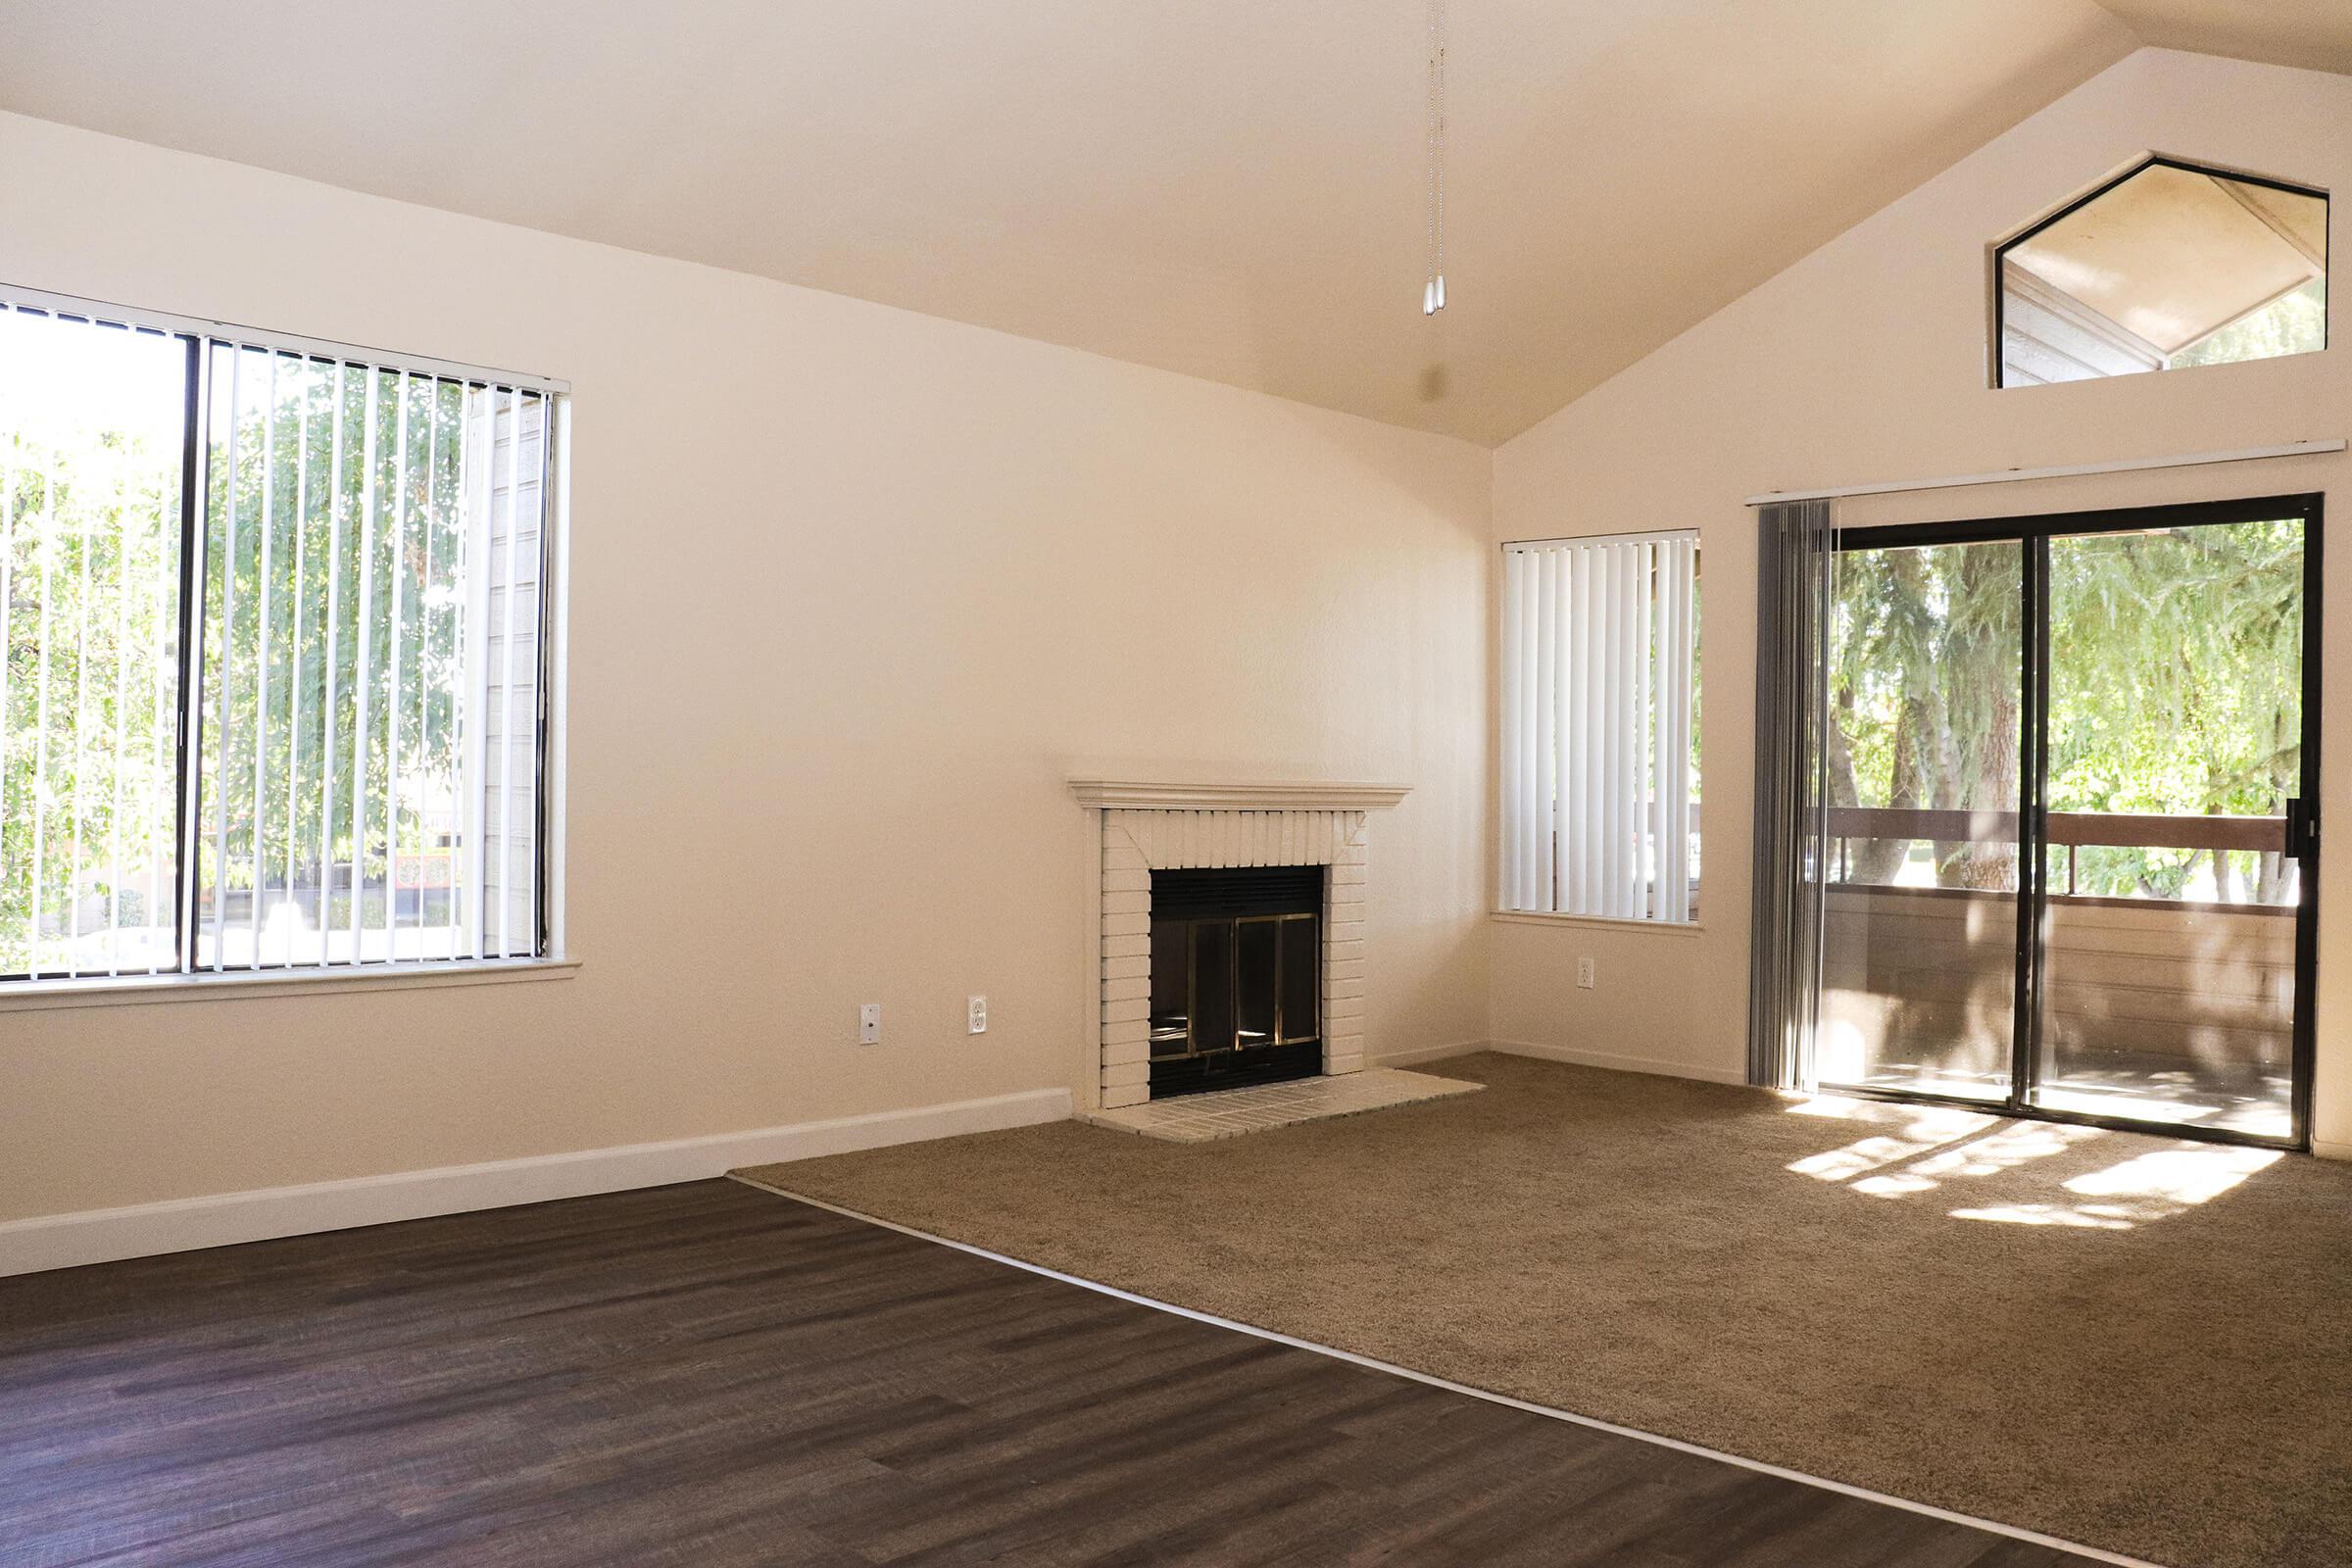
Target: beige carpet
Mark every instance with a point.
(2129, 1342)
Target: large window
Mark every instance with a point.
(1600, 727)
(2169, 266)
(275, 676)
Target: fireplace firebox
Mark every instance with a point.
(1237, 974)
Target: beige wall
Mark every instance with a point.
(852, 591)
(1868, 361)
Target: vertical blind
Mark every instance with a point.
(1600, 673)
(1795, 594)
(274, 688)
(371, 597)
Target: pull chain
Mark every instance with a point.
(1433, 287)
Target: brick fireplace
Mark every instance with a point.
(1144, 827)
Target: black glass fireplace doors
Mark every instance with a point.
(1237, 973)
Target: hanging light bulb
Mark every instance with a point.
(1433, 288)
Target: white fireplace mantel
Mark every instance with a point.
(1142, 794)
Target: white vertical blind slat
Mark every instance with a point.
(1642, 829)
(426, 609)
(1538, 841)
(403, 385)
(1589, 749)
(1568, 855)
(1530, 599)
(523, 845)
(458, 700)
(1597, 668)
(1641, 825)
(360, 718)
(1630, 831)
(481, 438)
(513, 514)
(260, 662)
(1517, 564)
(1619, 721)
(1563, 683)
(228, 620)
(339, 381)
(304, 376)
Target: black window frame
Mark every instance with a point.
(2034, 532)
(2000, 252)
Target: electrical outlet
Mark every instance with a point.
(975, 1015)
(1584, 973)
(869, 1024)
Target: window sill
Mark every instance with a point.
(34, 996)
(1684, 928)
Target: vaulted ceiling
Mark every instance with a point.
(2315, 34)
(1229, 188)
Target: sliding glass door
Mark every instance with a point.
(1920, 924)
(2069, 865)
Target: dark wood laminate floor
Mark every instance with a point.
(710, 1375)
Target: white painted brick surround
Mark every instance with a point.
(1137, 842)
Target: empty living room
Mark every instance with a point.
(1442, 782)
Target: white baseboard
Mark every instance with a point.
(1619, 1061)
(1421, 1053)
(104, 1234)
(2328, 1148)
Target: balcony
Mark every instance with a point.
(2178, 1010)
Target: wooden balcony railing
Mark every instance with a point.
(2262, 835)
(2123, 829)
